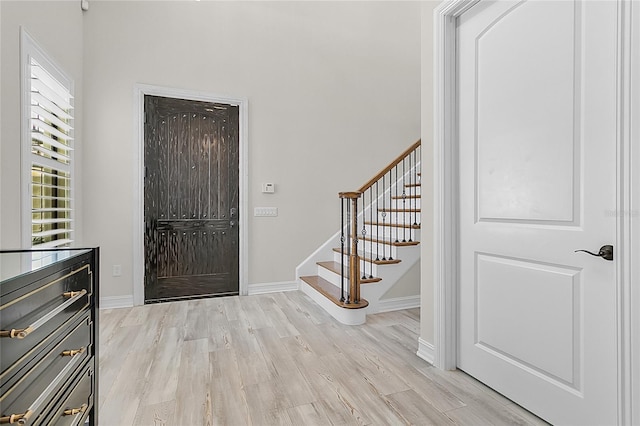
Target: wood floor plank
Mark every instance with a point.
(254, 369)
(279, 320)
(122, 401)
(268, 403)
(243, 338)
(369, 363)
(477, 413)
(253, 313)
(274, 351)
(313, 414)
(162, 382)
(220, 336)
(339, 413)
(228, 398)
(279, 359)
(197, 325)
(160, 414)
(113, 351)
(215, 308)
(362, 391)
(416, 410)
(136, 316)
(328, 388)
(193, 396)
(231, 308)
(318, 343)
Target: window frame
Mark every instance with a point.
(30, 48)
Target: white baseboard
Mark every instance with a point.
(113, 302)
(276, 287)
(426, 350)
(398, 303)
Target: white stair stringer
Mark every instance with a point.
(390, 275)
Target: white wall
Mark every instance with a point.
(426, 231)
(407, 285)
(1, 245)
(333, 90)
(62, 40)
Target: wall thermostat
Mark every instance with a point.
(268, 188)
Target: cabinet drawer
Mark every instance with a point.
(75, 405)
(30, 314)
(36, 387)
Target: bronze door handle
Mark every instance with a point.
(605, 252)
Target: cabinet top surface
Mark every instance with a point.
(15, 264)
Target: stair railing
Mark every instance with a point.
(384, 187)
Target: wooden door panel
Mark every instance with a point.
(191, 190)
(214, 187)
(183, 168)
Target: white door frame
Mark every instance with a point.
(140, 90)
(446, 218)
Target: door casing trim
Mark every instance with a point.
(446, 218)
(140, 90)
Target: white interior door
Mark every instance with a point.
(537, 152)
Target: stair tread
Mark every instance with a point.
(392, 243)
(368, 257)
(396, 225)
(409, 185)
(331, 292)
(391, 210)
(400, 197)
(335, 268)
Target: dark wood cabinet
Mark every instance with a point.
(49, 337)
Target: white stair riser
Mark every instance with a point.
(371, 268)
(400, 217)
(332, 277)
(386, 232)
(375, 249)
(383, 236)
(335, 279)
(381, 250)
(408, 203)
(416, 190)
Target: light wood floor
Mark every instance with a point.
(279, 359)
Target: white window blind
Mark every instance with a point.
(50, 153)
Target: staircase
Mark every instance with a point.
(375, 246)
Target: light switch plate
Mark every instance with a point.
(265, 211)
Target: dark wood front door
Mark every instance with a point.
(190, 199)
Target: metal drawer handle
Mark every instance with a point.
(75, 411)
(24, 418)
(74, 352)
(16, 418)
(21, 333)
